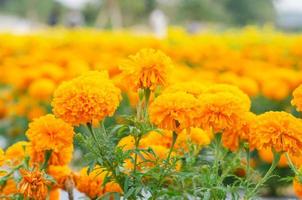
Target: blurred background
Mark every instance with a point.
(146, 15)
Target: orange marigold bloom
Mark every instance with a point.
(2, 157)
(17, 152)
(61, 174)
(297, 98)
(147, 69)
(220, 111)
(9, 188)
(241, 131)
(49, 133)
(33, 184)
(92, 184)
(193, 88)
(267, 156)
(86, 99)
(174, 111)
(278, 130)
(41, 89)
(297, 188)
(61, 156)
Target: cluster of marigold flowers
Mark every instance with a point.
(204, 91)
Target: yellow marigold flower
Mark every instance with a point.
(278, 130)
(61, 156)
(49, 133)
(222, 88)
(297, 98)
(2, 157)
(154, 138)
(193, 88)
(199, 136)
(127, 143)
(33, 184)
(35, 112)
(9, 188)
(41, 89)
(147, 69)
(174, 111)
(61, 174)
(92, 184)
(241, 131)
(86, 99)
(297, 188)
(16, 152)
(267, 156)
(222, 110)
(54, 194)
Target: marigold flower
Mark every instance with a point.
(174, 111)
(61, 174)
(297, 98)
(220, 111)
(86, 99)
(49, 133)
(297, 188)
(9, 188)
(33, 184)
(92, 184)
(41, 89)
(61, 156)
(16, 152)
(147, 69)
(2, 157)
(278, 130)
(238, 132)
(267, 156)
(193, 88)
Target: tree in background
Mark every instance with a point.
(117, 13)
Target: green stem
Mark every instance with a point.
(137, 140)
(267, 175)
(167, 161)
(291, 164)
(147, 92)
(248, 160)
(107, 164)
(46, 159)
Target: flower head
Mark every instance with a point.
(33, 184)
(222, 107)
(41, 89)
(86, 99)
(92, 184)
(146, 69)
(16, 152)
(174, 111)
(49, 133)
(297, 187)
(297, 98)
(278, 130)
(61, 174)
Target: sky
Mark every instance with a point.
(288, 5)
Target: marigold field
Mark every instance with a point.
(122, 115)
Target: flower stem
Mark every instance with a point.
(248, 160)
(137, 140)
(291, 164)
(267, 175)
